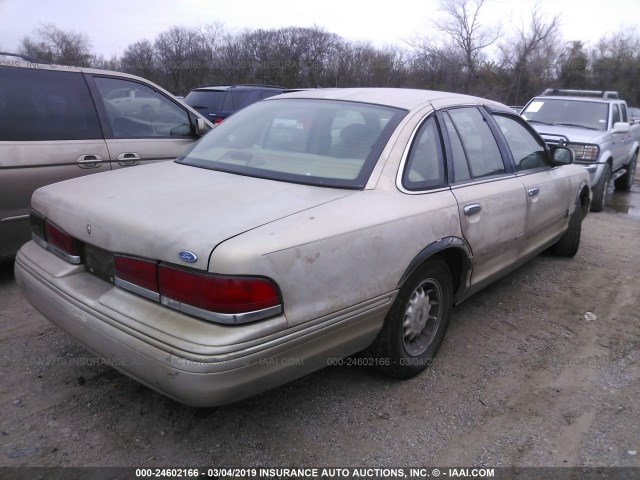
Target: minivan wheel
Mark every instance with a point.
(417, 322)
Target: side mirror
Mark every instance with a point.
(561, 156)
(201, 127)
(621, 127)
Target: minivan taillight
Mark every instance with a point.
(54, 239)
(217, 298)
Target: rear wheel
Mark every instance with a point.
(569, 243)
(416, 324)
(600, 191)
(624, 182)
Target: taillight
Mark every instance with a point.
(218, 293)
(218, 298)
(217, 120)
(37, 223)
(54, 239)
(138, 275)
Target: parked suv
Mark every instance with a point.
(62, 122)
(596, 125)
(218, 102)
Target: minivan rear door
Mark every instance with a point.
(141, 123)
(49, 132)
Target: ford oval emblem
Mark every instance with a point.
(187, 256)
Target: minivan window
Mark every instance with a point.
(46, 105)
(136, 111)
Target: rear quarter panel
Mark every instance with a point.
(339, 254)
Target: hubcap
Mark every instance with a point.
(422, 317)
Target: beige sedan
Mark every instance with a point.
(305, 228)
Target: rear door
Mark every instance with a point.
(491, 200)
(49, 131)
(142, 125)
(547, 188)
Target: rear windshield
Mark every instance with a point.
(568, 112)
(315, 142)
(209, 99)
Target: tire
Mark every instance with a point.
(569, 243)
(600, 192)
(417, 322)
(624, 182)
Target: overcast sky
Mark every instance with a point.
(112, 25)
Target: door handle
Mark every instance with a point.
(532, 192)
(128, 159)
(89, 161)
(472, 209)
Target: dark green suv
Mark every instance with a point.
(218, 102)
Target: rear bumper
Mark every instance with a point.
(190, 360)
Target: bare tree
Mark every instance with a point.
(139, 59)
(182, 57)
(574, 67)
(58, 46)
(212, 35)
(531, 56)
(615, 64)
(462, 26)
(321, 46)
(235, 61)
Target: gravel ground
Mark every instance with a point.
(540, 369)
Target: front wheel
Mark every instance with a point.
(600, 191)
(416, 324)
(624, 182)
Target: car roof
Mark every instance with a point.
(94, 71)
(405, 98)
(238, 87)
(577, 98)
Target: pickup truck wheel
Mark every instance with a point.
(600, 191)
(416, 324)
(624, 182)
(569, 242)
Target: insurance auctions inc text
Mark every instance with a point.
(313, 473)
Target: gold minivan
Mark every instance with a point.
(59, 122)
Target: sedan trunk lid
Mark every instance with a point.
(159, 210)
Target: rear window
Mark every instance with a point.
(210, 99)
(317, 142)
(45, 105)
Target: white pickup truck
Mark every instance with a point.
(596, 126)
